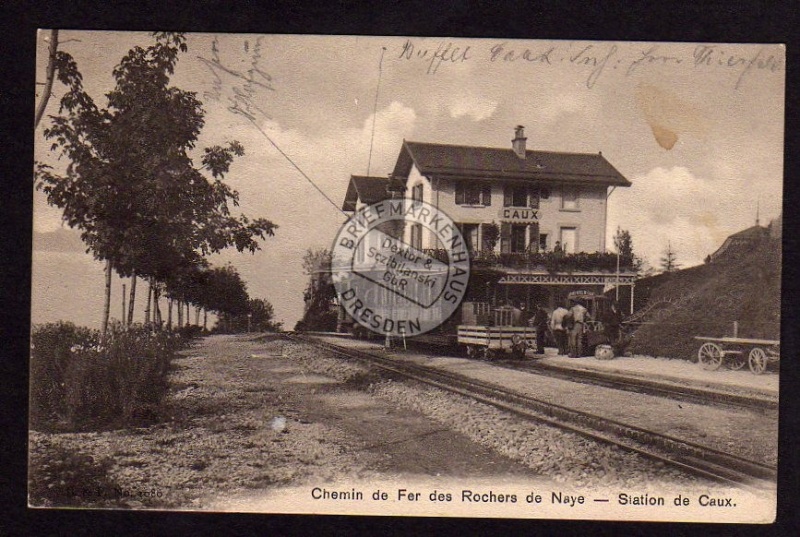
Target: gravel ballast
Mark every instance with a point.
(255, 416)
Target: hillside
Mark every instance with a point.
(743, 286)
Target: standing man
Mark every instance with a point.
(612, 323)
(540, 324)
(578, 313)
(557, 325)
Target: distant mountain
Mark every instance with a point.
(61, 240)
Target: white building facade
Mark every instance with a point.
(538, 200)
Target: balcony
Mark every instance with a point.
(551, 262)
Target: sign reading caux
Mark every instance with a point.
(511, 214)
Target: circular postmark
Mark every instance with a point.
(400, 268)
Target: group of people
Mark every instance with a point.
(567, 325)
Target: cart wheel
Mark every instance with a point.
(489, 354)
(710, 356)
(472, 351)
(757, 360)
(736, 361)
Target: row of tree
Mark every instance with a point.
(133, 190)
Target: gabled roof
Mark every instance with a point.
(365, 188)
(497, 163)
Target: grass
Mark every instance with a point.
(707, 300)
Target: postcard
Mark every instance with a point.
(439, 276)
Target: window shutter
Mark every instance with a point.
(505, 238)
(533, 245)
(486, 196)
(460, 198)
(508, 196)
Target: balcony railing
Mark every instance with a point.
(553, 262)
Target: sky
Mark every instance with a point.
(696, 128)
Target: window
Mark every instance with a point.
(569, 199)
(534, 198)
(543, 242)
(518, 238)
(416, 236)
(470, 193)
(470, 234)
(416, 192)
(515, 196)
(569, 239)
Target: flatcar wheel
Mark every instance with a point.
(472, 351)
(710, 356)
(736, 361)
(489, 354)
(757, 360)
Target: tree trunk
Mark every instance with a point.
(197, 316)
(132, 298)
(50, 76)
(124, 309)
(205, 319)
(180, 314)
(156, 310)
(188, 313)
(107, 302)
(169, 314)
(149, 300)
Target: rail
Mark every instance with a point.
(694, 458)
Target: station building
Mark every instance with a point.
(536, 220)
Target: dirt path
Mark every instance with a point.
(246, 415)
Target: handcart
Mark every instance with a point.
(735, 351)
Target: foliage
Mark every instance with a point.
(553, 262)
(623, 243)
(131, 186)
(60, 476)
(491, 234)
(259, 317)
(669, 261)
(319, 312)
(77, 381)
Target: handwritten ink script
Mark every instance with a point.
(596, 59)
(434, 58)
(245, 86)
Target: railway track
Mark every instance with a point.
(690, 457)
(637, 385)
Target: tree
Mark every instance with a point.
(623, 243)
(131, 186)
(222, 290)
(668, 261)
(259, 318)
(318, 313)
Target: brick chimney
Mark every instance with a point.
(518, 143)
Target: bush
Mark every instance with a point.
(59, 476)
(78, 382)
